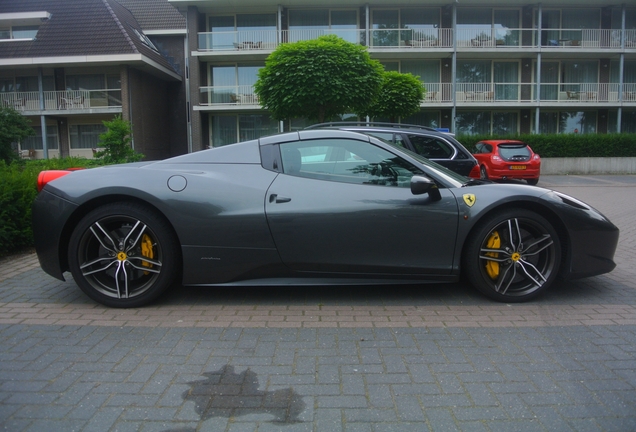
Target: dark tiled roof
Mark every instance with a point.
(155, 14)
(78, 28)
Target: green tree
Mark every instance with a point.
(13, 128)
(116, 143)
(400, 96)
(318, 79)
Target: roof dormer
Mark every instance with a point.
(21, 25)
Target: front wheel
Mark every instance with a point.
(123, 255)
(512, 256)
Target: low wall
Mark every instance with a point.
(593, 165)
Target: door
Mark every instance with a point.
(345, 206)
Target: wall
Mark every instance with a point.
(617, 165)
(149, 113)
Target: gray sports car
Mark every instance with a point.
(312, 207)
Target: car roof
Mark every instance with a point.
(497, 142)
(367, 124)
(379, 126)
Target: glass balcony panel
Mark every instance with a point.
(228, 95)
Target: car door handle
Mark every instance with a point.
(278, 199)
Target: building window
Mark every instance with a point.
(86, 136)
(18, 32)
(34, 142)
(103, 90)
(628, 121)
(424, 118)
(309, 24)
(229, 129)
(242, 31)
(487, 122)
(567, 122)
(231, 84)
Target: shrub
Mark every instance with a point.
(116, 143)
(13, 127)
(18, 188)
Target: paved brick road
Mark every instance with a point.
(435, 357)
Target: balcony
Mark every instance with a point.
(410, 38)
(468, 37)
(587, 38)
(67, 100)
(588, 94)
(478, 37)
(466, 94)
(228, 96)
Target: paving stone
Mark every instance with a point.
(563, 362)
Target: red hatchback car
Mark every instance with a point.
(507, 159)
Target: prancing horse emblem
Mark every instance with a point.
(469, 199)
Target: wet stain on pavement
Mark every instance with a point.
(224, 393)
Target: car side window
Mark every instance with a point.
(431, 147)
(346, 161)
(482, 148)
(388, 137)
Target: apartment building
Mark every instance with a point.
(68, 65)
(499, 67)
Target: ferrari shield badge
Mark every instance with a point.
(469, 199)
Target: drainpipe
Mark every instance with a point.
(367, 19)
(454, 70)
(186, 45)
(45, 146)
(619, 114)
(538, 109)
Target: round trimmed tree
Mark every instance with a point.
(318, 79)
(400, 96)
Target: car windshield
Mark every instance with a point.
(511, 150)
(450, 176)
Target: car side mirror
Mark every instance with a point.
(423, 185)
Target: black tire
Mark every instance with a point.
(519, 265)
(483, 174)
(533, 182)
(123, 255)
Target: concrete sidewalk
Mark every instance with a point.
(438, 357)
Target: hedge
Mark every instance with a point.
(18, 188)
(568, 145)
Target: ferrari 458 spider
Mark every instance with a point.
(312, 207)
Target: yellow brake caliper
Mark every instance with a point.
(146, 250)
(492, 267)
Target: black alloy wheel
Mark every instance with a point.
(512, 256)
(123, 255)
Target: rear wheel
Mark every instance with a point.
(512, 256)
(483, 174)
(123, 255)
(533, 182)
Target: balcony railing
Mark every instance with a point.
(228, 95)
(494, 37)
(473, 37)
(465, 93)
(411, 38)
(63, 100)
(588, 93)
(583, 38)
